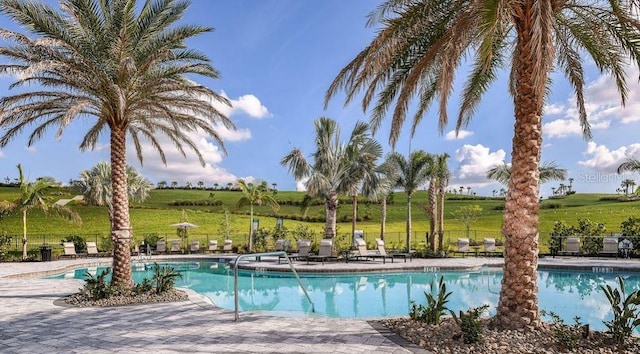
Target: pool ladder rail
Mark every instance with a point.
(256, 255)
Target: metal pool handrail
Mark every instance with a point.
(277, 253)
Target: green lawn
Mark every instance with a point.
(156, 214)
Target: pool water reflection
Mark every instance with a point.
(566, 293)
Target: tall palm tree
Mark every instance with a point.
(337, 167)
(548, 171)
(626, 185)
(412, 173)
(125, 68)
(389, 177)
(254, 194)
(441, 170)
(420, 45)
(32, 197)
(96, 186)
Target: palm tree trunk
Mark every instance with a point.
(433, 212)
(121, 230)
(331, 205)
(355, 214)
(408, 248)
(24, 234)
(383, 217)
(518, 304)
(251, 228)
(441, 195)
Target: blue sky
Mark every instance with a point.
(278, 57)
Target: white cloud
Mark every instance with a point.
(600, 158)
(475, 161)
(1, 154)
(553, 109)
(602, 103)
(301, 186)
(461, 135)
(226, 134)
(249, 104)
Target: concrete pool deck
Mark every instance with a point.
(30, 322)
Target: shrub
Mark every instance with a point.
(151, 239)
(97, 288)
(626, 311)
(164, 278)
(470, 324)
(436, 304)
(567, 336)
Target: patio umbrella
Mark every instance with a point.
(184, 225)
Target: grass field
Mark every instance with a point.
(156, 214)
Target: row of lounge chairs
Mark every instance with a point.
(610, 247)
(326, 252)
(194, 247)
(488, 247)
(92, 251)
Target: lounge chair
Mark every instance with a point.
(325, 253)
(282, 245)
(490, 247)
(227, 246)
(382, 251)
(610, 246)
(70, 251)
(175, 246)
(213, 246)
(364, 254)
(92, 250)
(304, 246)
(194, 247)
(161, 247)
(572, 246)
(463, 246)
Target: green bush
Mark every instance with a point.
(626, 311)
(97, 288)
(470, 324)
(436, 304)
(151, 239)
(164, 278)
(567, 336)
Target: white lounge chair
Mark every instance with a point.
(227, 246)
(213, 246)
(194, 247)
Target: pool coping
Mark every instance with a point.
(40, 269)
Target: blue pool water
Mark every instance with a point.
(567, 293)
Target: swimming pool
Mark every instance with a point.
(567, 293)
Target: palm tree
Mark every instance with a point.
(389, 177)
(253, 194)
(337, 167)
(441, 170)
(549, 171)
(630, 164)
(162, 184)
(96, 186)
(126, 67)
(215, 186)
(420, 45)
(626, 185)
(412, 173)
(570, 186)
(32, 196)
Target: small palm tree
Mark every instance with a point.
(32, 197)
(549, 171)
(411, 174)
(337, 168)
(253, 195)
(125, 68)
(96, 186)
